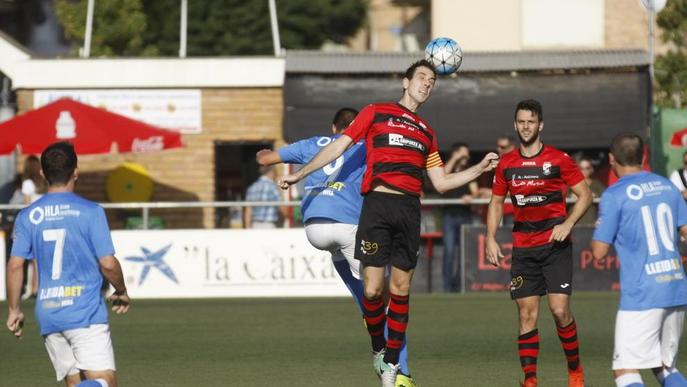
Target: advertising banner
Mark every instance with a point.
(178, 110)
(480, 275)
(224, 263)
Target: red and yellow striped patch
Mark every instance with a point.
(434, 160)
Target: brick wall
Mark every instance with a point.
(626, 25)
(187, 174)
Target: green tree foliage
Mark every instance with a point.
(671, 68)
(118, 26)
(215, 27)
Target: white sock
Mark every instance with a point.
(625, 380)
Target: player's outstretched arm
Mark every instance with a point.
(267, 157)
(15, 276)
(494, 215)
(328, 154)
(112, 270)
(445, 182)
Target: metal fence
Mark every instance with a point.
(145, 207)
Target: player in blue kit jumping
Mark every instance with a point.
(70, 239)
(641, 215)
(331, 206)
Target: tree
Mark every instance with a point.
(671, 68)
(118, 26)
(242, 27)
(227, 27)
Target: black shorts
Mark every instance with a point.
(389, 231)
(540, 270)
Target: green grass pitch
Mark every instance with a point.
(454, 340)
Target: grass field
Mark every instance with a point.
(454, 340)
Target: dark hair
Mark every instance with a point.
(410, 72)
(343, 118)
(531, 105)
(32, 171)
(457, 145)
(628, 149)
(509, 137)
(59, 162)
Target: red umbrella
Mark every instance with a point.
(679, 138)
(91, 130)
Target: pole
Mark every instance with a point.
(652, 134)
(89, 30)
(652, 38)
(275, 27)
(183, 28)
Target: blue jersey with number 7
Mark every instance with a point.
(640, 215)
(67, 235)
(333, 192)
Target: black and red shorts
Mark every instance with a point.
(389, 231)
(541, 270)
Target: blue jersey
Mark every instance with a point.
(67, 235)
(333, 192)
(640, 215)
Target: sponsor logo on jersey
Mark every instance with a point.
(652, 188)
(523, 200)
(393, 124)
(399, 140)
(527, 183)
(529, 163)
(408, 116)
(663, 266)
(336, 185)
(60, 292)
(51, 212)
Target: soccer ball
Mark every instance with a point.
(444, 54)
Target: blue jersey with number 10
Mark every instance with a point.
(640, 215)
(66, 234)
(333, 192)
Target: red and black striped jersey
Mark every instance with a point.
(399, 144)
(538, 186)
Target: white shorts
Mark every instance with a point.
(337, 238)
(647, 338)
(87, 349)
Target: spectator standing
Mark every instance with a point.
(262, 190)
(454, 216)
(33, 186)
(679, 177)
(505, 144)
(597, 188)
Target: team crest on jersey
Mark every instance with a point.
(546, 168)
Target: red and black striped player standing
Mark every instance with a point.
(537, 177)
(400, 146)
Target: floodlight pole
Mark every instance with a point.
(183, 28)
(89, 30)
(275, 27)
